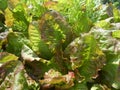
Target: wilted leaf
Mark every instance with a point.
(12, 3)
(55, 78)
(3, 39)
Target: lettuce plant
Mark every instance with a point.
(59, 45)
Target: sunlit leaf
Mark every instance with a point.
(5, 57)
(20, 81)
(20, 23)
(105, 24)
(116, 14)
(28, 54)
(79, 86)
(99, 87)
(9, 17)
(116, 34)
(35, 8)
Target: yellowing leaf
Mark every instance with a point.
(9, 19)
(12, 3)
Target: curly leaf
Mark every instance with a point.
(55, 30)
(111, 46)
(107, 42)
(86, 56)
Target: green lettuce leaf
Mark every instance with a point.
(12, 76)
(37, 44)
(86, 56)
(3, 4)
(79, 86)
(34, 65)
(15, 42)
(55, 30)
(110, 45)
(116, 34)
(106, 40)
(6, 70)
(20, 81)
(116, 14)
